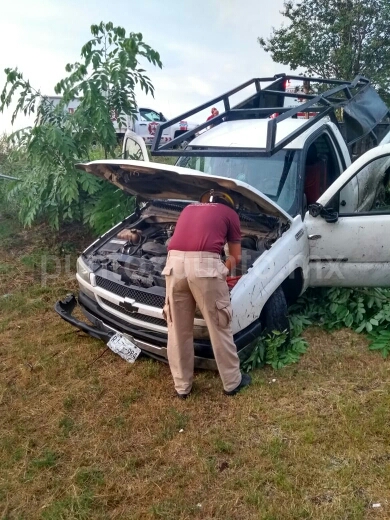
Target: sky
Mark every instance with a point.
(207, 46)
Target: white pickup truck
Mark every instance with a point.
(309, 215)
(144, 122)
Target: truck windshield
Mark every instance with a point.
(275, 176)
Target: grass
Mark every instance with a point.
(88, 438)
(162, 159)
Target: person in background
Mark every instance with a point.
(196, 275)
(214, 113)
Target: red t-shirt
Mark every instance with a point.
(205, 227)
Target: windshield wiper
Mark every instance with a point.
(260, 218)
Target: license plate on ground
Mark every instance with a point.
(125, 348)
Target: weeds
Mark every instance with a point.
(223, 446)
(67, 425)
(174, 423)
(362, 310)
(133, 395)
(47, 460)
(89, 477)
(75, 507)
(278, 349)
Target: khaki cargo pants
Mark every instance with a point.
(198, 278)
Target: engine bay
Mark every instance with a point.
(136, 255)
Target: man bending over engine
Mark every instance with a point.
(195, 274)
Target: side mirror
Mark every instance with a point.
(330, 216)
(317, 210)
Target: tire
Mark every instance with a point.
(275, 313)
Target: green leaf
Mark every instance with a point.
(348, 320)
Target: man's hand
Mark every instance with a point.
(125, 234)
(234, 257)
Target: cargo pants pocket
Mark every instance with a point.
(167, 271)
(224, 313)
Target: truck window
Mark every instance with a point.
(321, 168)
(369, 190)
(275, 176)
(149, 115)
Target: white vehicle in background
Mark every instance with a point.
(144, 122)
(56, 100)
(310, 215)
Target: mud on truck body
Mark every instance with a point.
(309, 215)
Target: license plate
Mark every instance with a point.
(125, 348)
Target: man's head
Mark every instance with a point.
(219, 197)
(214, 111)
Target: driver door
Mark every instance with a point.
(349, 226)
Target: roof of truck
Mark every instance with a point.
(252, 133)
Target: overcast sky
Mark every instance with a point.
(206, 46)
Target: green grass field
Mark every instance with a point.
(89, 436)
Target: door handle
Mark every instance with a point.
(314, 237)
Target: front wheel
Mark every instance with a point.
(275, 313)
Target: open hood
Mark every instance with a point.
(150, 181)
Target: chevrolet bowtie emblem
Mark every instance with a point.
(128, 304)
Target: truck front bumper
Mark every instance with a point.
(103, 328)
(154, 345)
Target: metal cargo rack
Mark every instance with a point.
(362, 108)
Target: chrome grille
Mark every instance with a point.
(147, 298)
(135, 315)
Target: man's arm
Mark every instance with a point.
(234, 257)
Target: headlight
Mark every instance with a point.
(83, 270)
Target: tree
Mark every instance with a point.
(335, 39)
(104, 80)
